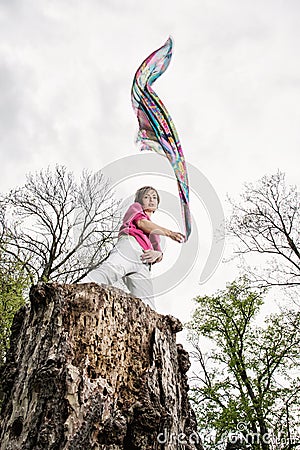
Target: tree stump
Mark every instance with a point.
(91, 367)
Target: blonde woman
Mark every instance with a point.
(137, 248)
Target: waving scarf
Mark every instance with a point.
(157, 131)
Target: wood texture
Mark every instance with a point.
(92, 367)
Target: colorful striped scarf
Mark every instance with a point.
(157, 131)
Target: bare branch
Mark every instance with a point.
(61, 228)
(267, 222)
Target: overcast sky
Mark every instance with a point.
(232, 88)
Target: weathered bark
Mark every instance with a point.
(91, 367)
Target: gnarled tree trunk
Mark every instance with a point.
(91, 367)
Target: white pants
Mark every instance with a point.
(124, 263)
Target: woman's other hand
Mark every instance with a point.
(151, 256)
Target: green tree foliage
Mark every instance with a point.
(248, 381)
(13, 285)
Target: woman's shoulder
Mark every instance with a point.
(133, 209)
(137, 206)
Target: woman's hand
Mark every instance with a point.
(159, 258)
(151, 256)
(176, 236)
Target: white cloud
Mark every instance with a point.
(233, 87)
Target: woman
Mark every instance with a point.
(137, 248)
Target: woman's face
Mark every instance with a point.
(150, 201)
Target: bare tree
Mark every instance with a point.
(60, 229)
(267, 222)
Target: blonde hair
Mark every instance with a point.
(142, 191)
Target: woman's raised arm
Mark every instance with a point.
(147, 226)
